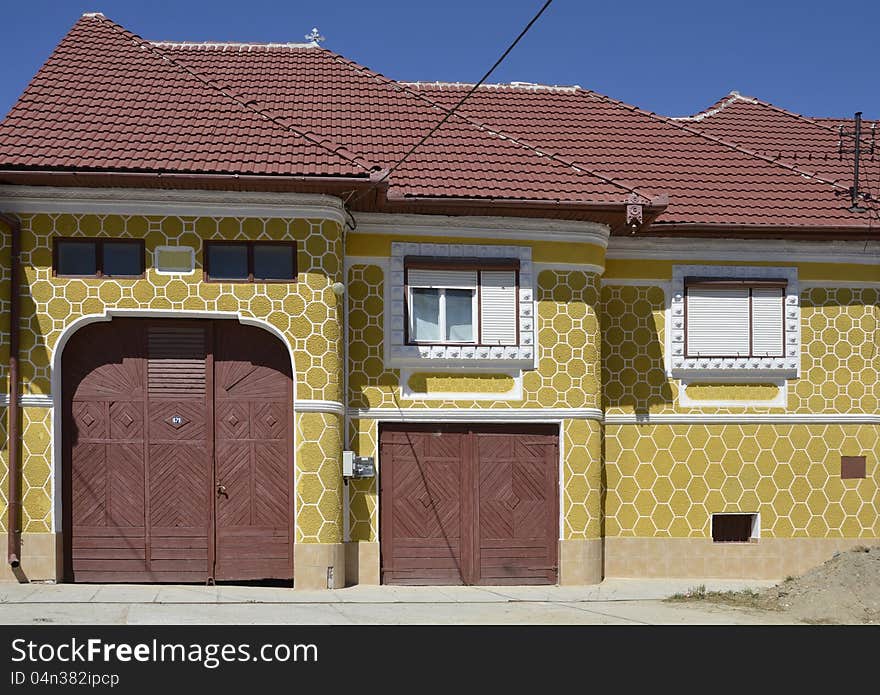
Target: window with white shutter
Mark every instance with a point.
(473, 305)
(734, 318)
(498, 307)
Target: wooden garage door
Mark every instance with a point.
(469, 505)
(153, 489)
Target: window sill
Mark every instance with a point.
(470, 355)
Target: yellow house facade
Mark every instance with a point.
(332, 329)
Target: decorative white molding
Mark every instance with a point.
(698, 249)
(523, 228)
(148, 201)
(29, 400)
(316, 406)
(523, 355)
(576, 267)
(514, 394)
(476, 414)
(778, 401)
(635, 282)
(678, 365)
(744, 419)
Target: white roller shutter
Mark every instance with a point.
(498, 307)
(418, 277)
(767, 321)
(717, 321)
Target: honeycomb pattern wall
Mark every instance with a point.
(568, 372)
(583, 488)
(305, 312)
(363, 494)
(633, 372)
(840, 363)
(667, 480)
(319, 478)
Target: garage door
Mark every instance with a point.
(177, 452)
(469, 505)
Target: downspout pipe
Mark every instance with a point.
(13, 434)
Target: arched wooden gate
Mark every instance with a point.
(177, 452)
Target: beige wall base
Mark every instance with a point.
(361, 563)
(580, 562)
(312, 564)
(41, 558)
(767, 558)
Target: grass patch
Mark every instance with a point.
(745, 598)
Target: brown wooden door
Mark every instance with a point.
(469, 505)
(103, 414)
(142, 402)
(179, 450)
(254, 471)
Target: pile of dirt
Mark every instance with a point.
(846, 589)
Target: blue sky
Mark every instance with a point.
(673, 57)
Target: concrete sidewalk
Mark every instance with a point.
(615, 601)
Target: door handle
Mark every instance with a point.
(221, 491)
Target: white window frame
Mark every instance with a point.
(399, 354)
(475, 321)
(680, 365)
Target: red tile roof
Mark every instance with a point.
(109, 101)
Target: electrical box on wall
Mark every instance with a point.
(357, 466)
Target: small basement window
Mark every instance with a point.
(174, 260)
(250, 261)
(98, 257)
(735, 528)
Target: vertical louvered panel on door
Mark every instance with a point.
(179, 470)
(498, 307)
(717, 321)
(767, 321)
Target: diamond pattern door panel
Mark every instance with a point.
(177, 455)
(422, 479)
(253, 392)
(517, 507)
(467, 505)
(103, 435)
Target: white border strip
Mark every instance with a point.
(575, 267)
(780, 400)
(515, 392)
(476, 414)
(471, 227)
(744, 419)
(690, 249)
(316, 406)
(165, 203)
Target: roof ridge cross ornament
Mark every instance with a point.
(314, 36)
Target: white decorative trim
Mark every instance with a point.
(778, 401)
(635, 282)
(514, 394)
(693, 249)
(182, 203)
(316, 406)
(576, 267)
(192, 260)
(702, 368)
(29, 400)
(476, 414)
(743, 419)
(839, 285)
(523, 228)
(402, 355)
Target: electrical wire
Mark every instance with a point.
(452, 111)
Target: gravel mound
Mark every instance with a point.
(846, 589)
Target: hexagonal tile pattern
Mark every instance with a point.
(790, 474)
(305, 312)
(319, 478)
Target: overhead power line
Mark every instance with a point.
(461, 101)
